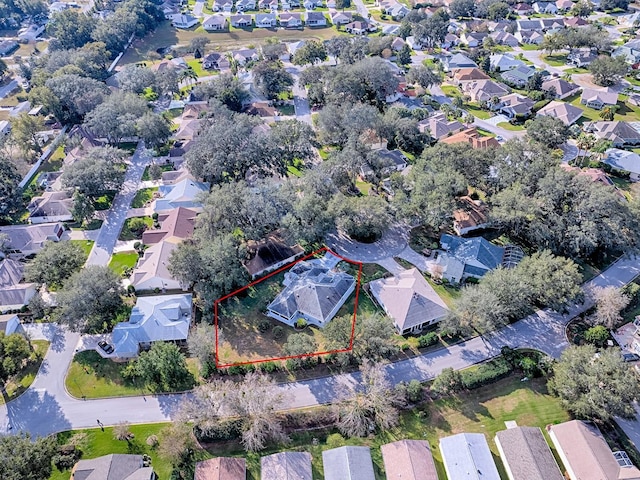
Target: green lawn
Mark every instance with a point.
(143, 196)
(127, 234)
(483, 411)
(196, 64)
(557, 60)
(573, 70)
(122, 261)
(478, 112)
(86, 246)
(165, 167)
(446, 292)
(451, 91)
(23, 380)
(104, 202)
(509, 126)
(529, 46)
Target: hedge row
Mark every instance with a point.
(486, 373)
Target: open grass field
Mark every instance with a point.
(143, 197)
(122, 261)
(15, 386)
(557, 60)
(483, 410)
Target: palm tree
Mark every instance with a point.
(601, 146)
(584, 142)
(608, 112)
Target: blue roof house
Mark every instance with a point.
(467, 257)
(185, 194)
(624, 160)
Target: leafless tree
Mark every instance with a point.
(610, 301)
(177, 442)
(369, 406)
(201, 342)
(122, 432)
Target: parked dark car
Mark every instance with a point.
(630, 357)
(105, 347)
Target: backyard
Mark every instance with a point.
(143, 197)
(86, 246)
(483, 410)
(134, 227)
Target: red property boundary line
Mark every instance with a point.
(281, 269)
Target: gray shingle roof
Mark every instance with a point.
(286, 466)
(113, 467)
(348, 463)
(526, 454)
(476, 248)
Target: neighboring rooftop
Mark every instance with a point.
(178, 223)
(526, 454)
(409, 460)
(467, 456)
(286, 466)
(113, 467)
(269, 254)
(348, 463)
(221, 468)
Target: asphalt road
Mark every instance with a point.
(116, 216)
(47, 408)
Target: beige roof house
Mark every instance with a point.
(586, 455)
(526, 454)
(598, 98)
(152, 270)
(409, 460)
(619, 133)
(562, 88)
(178, 223)
(409, 300)
(439, 126)
(564, 112)
(221, 468)
(484, 90)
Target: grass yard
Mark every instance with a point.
(478, 112)
(128, 234)
(122, 261)
(165, 167)
(92, 376)
(557, 60)
(451, 91)
(196, 64)
(95, 443)
(143, 197)
(86, 246)
(286, 109)
(17, 385)
(509, 126)
(576, 70)
(104, 202)
(529, 46)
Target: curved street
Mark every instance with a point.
(47, 408)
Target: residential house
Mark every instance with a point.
(484, 90)
(633, 99)
(545, 7)
(173, 177)
(523, 9)
(7, 47)
(397, 44)
(473, 39)
(29, 239)
(216, 60)
(245, 55)
(564, 5)
(526, 454)
(581, 58)
(51, 207)
(215, 23)
(518, 76)
(596, 175)
(467, 455)
(409, 300)
(598, 98)
(178, 223)
(565, 112)
(562, 88)
(29, 33)
(177, 63)
(575, 22)
(393, 8)
(241, 21)
(621, 160)
(271, 5)
(286, 466)
(505, 38)
(266, 20)
(183, 194)
(5, 127)
(531, 37)
(114, 467)
(360, 27)
(473, 138)
(631, 50)
(244, 5)
(528, 25)
(290, 20)
(463, 75)
(471, 215)
(457, 61)
(552, 25)
(269, 254)
(222, 6)
(439, 126)
(341, 18)
(152, 271)
(371, 139)
(450, 40)
(14, 294)
(585, 454)
(392, 160)
(262, 109)
(515, 105)
(409, 460)
(314, 290)
(160, 318)
(221, 468)
(315, 19)
(620, 134)
(462, 258)
(348, 463)
(184, 20)
(188, 130)
(9, 323)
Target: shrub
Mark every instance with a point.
(486, 373)
(335, 440)
(268, 367)
(405, 347)
(414, 391)
(235, 370)
(152, 441)
(301, 323)
(597, 335)
(427, 340)
(264, 325)
(277, 332)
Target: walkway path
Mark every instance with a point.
(47, 408)
(110, 230)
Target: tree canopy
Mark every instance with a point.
(56, 262)
(25, 458)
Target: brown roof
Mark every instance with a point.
(268, 252)
(221, 468)
(595, 174)
(473, 138)
(471, 214)
(526, 454)
(408, 460)
(466, 74)
(262, 109)
(178, 223)
(584, 450)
